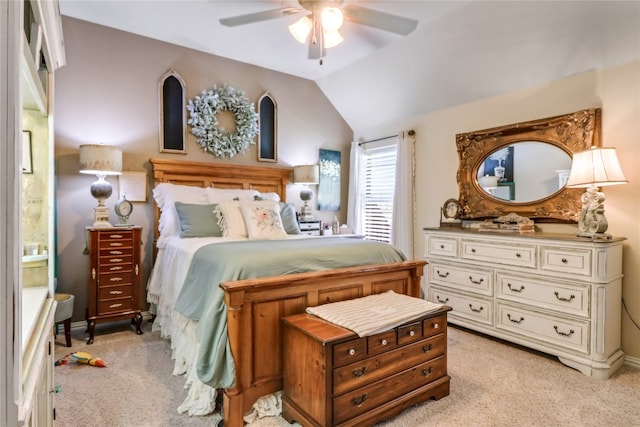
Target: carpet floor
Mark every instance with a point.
(492, 384)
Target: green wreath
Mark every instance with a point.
(205, 127)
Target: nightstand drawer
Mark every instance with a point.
(309, 225)
(114, 305)
(111, 292)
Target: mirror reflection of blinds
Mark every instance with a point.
(379, 176)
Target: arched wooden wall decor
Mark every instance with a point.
(268, 122)
(173, 114)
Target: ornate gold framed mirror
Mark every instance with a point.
(523, 167)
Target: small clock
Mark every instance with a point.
(123, 208)
(451, 212)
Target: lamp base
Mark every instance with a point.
(305, 212)
(101, 217)
(592, 223)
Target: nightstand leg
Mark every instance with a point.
(138, 323)
(91, 326)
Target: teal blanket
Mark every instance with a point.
(202, 299)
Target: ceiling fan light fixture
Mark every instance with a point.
(301, 28)
(331, 18)
(332, 38)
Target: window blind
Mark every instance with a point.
(378, 178)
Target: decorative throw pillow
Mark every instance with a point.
(230, 219)
(198, 220)
(262, 220)
(289, 218)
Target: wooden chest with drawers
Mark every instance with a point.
(114, 276)
(332, 377)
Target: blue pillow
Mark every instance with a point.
(198, 220)
(289, 218)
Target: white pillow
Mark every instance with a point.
(269, 196)
(230, 219)
(262, 220)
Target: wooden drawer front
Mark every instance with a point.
(115, 244)
(503, 253)
(463, 306)
(116, 235)
(409, 333)
(113, 268)
(467, 279)
(564, 260)
(116, 252)
(434, 326)
(565, 298)
(381, 342)
(369, 397)
(114, 305)
(111, 292)
(115, 279)
(442, 246)
(568, 333)
(112, 260)
(372, 369)
(349, 351)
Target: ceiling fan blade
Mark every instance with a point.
(250, 18)
(381, 20)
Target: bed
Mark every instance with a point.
(252, 309)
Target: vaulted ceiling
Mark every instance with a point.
(461, 51)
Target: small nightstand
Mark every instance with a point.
(310, 227)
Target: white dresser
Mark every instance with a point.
(555, 293)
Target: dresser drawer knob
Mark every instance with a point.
(473, 251)
(559, 298)
(564, 260)
(427, 371)
(426, 348)
(384, 342)
(441, 246)
(441, 300)
(518, 321)
(476, 282)
(436, 326)
(412, 333)
(518, 255)
(352, 352)
(519, 289)
(564, 334)
(115, 305)
(358, 401)
(476, 310)
(442, 275)
(357, 373)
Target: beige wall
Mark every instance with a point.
(108, 93)
(615, 90)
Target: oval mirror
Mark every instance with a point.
(521, 168)
(524, 172)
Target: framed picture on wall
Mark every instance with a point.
(268, 123)
(329, 187)
(173, 114)
(27, 156)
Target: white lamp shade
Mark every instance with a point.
(597, 166)
(100, 160)
(488, 181)
(306, 174)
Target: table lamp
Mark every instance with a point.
(100, 160)
(306, 175)
(591, 169)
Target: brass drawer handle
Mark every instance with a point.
(564, 334)
(93, 273)
(476, 310)
(136, 269)
(427, 371)
(559, 298)
(442, 275)
(116, 252)
(116, 268)
(115, 244)
(115, 305)
(358, 401)
(476, 282)
(514, 320)
(357, 373)
(116, 260)
(115, 279)
(115, 292)
(116, 236)
(518, 290)
(426, 348)
(384, 342)
(441, 300)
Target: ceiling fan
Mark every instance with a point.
(322, 20)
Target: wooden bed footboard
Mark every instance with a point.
(255, 307)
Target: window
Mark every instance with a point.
(378, 176)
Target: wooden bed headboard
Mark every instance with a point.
(218, 175)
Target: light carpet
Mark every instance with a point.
(492, 384)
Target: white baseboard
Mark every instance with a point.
(631, 361)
